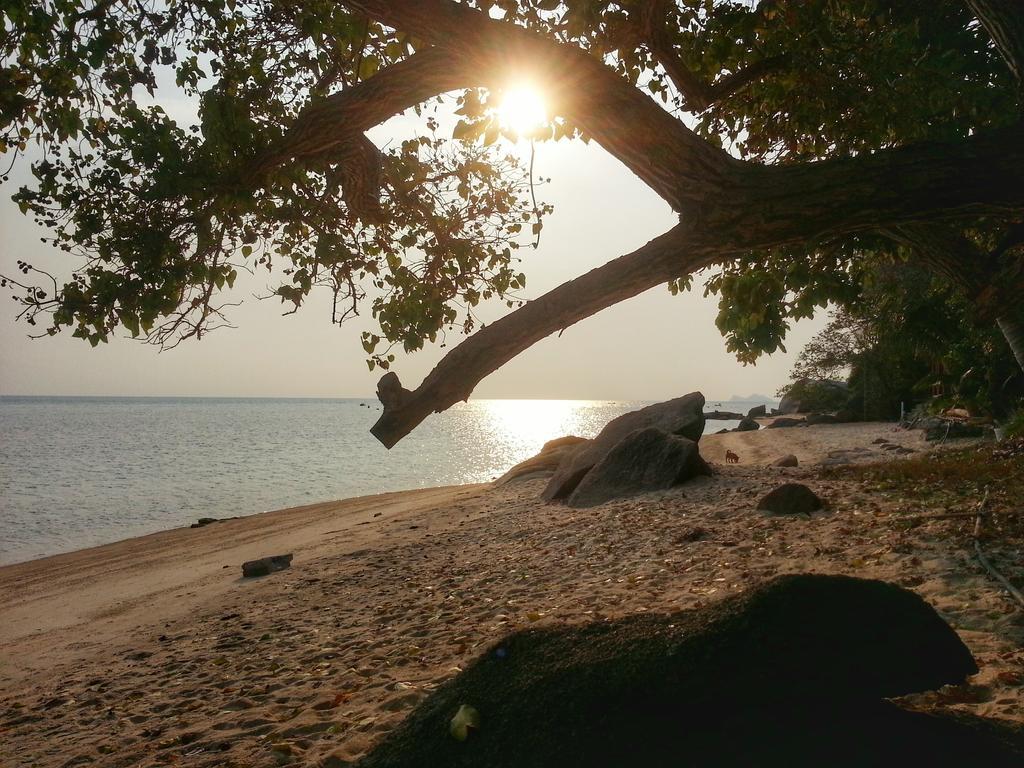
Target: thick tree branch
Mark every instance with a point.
(672, 160)
(786, 205)
(675, 253)
(335, 126)
(1004, 21)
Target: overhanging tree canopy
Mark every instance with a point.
(781, 133)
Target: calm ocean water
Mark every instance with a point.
(80, 471)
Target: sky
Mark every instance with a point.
(655, 346)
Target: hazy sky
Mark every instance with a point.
(654, 346)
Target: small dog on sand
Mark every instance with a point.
(731, 458)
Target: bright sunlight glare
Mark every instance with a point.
(522, 110)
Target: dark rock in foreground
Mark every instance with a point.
(790, 499)
(550, 456)
(266, 565)
(683, 416)
(790, 674)
(747, 425)
(645, 460)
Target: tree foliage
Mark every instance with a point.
(162, 216)
(906, 331)
(797, 139)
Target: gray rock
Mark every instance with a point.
(266, 565)
(547, 461)
(816, 390)
(757, 410)
(791, 499)
(747, 425)
(203, 521)
(683, 416)
(784, 421)
(723, 431)
(646, 460)
(789, 460)
(723, 416)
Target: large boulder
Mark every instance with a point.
(683, 416)
(789, 460)
(756, 411)
(547, 461)
(813, 395)
(741, 682)
(643, 461)
(747, 425)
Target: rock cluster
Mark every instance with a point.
(679, 421)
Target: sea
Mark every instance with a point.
(77, 472)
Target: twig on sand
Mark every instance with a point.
(980, 514)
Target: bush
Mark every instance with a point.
(1014, 425)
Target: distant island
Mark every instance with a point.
(741, 399)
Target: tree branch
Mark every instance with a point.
(697, 94)
(1004, 21)
(786, 205)
(673, 254)
(672, 160)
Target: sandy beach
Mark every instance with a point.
(154, 651)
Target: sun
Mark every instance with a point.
(522, 110)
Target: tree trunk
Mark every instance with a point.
(1012, 326)
(1004, 22)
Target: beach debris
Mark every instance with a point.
(547, 461)
(757, 410)
(465, 720)
(683, 416)
(790, 499)
(747, 425)
(203, 521)
(731, 458)
(266, 565)
(723, 432)
(746, 674)
(789, 460)
(646, 460)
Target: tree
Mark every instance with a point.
(905, 329)
(809, 126)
